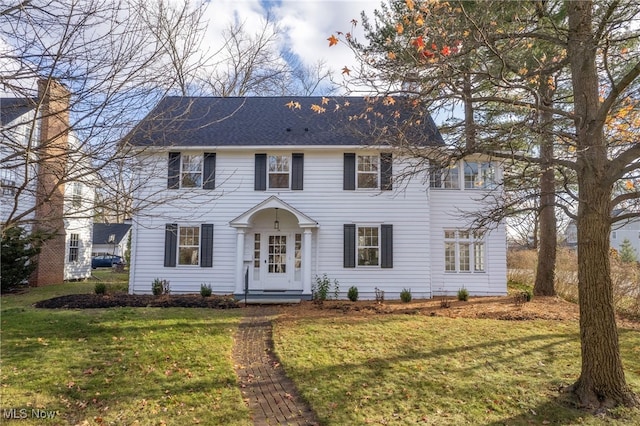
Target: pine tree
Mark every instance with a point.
(628, 254)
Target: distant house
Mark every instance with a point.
(38, 156)
(110, 238)
(619, 232)
(259, 198)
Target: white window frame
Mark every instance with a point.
(74, 248)
(368, 165)
(192, 169)
(76, 196)
(479, 175)
(189, 244)
(362, 244)
(445, 177)
(278, 165)
(464, 251)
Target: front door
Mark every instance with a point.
(279, 260)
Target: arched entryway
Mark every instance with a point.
(273, 250)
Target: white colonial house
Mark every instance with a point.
(260, 196)
(38, 159)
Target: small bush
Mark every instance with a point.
(463, 294)
(205, 290)
(160, 287)
(352, 294)
(321, 287)
(100, 288)
(405, 295)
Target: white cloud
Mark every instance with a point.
(307, 24)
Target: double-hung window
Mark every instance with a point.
(191, 170)
(76, 199)
(188, 245)
(368, 171)
(278, 171)
(368, 245)
(74, 247)
(464, 251)
(445, 177)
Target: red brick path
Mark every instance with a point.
(270, 395)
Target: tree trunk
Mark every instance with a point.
(548, 228)
(602, 382)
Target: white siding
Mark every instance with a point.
(447, 213)
(324, 200)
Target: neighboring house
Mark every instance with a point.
(110, 238)
(261, 195)
(619, 232)
(38, 159)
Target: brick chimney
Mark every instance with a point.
(53, 151)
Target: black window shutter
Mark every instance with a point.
(386, 248)
(349, 183)
(297, 171)
(260, 178)
(209, 169)
(386, 171)
(206, 245)
(173, 177)
(170, 244)
(349, 246)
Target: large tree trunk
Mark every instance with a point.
(602, 382)
(546, 270)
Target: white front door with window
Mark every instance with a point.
(277, 261)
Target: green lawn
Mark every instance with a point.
(415, 369)
(118, 366)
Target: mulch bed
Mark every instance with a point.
(92, 301)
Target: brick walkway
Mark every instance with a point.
(270, 395)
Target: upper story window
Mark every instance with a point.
(368, 171)
(278, 171)
(480, 175)
(191, 170)
(476, 175)
(7, 182)
(76, 197)
(445, 177)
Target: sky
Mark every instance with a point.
(306, 23)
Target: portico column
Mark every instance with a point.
(306, 261)
(239, 261)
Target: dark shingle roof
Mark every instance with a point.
(102, 231)
(268, 121)
(12, 108)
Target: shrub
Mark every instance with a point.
(159, 287)
(100, 288)
(463, 294)
(16, 256)
(205, 290)
(405, 295)
(321, 287)
(352, 294)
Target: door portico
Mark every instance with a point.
(273, 248)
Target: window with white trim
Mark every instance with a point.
(367, 171)
(278, 171)
(76, 197)
(189, 245)
(191, 171)
(368, 246)
(479, 175)
(445, 177)
(8, 182)
(464, 250)
(74, 247)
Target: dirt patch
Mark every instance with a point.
(500, 308)
(91, 301)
